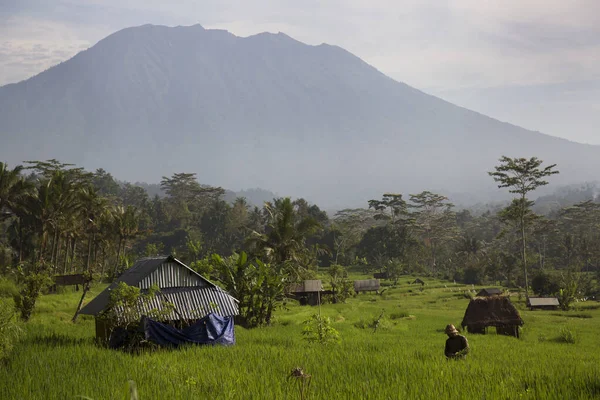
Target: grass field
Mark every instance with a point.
(57, 359)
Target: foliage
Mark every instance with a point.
(341, 286)
(126, 307)
(259, 287)
(32, 279)
(9, 329)
(318, 329)
(566, 335)
(521, 176)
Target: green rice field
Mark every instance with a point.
(403, 359)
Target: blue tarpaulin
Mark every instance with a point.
(212, 329)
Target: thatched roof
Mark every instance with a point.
(489, 292)
(491, 311)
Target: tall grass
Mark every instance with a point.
(58, 360)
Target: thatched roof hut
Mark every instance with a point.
(487, 292)
(497, 311)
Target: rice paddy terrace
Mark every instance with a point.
(556, 357)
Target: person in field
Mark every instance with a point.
(457, 345)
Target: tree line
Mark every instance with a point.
(59, 219)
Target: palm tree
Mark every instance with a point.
(13, 189)
(286, 233)
(126, 226)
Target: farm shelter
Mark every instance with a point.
(367, 285)
(543, 303)
(487, 292)
(185, 296)
(497, 311)
(68, 280)
(417, 281)
(308, 292)
(380, 275)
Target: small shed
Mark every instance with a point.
(380, 275)
(192, 296)
(307, 292)
(68, 280)
(543, 303)
(497, 311)
(367, 285)
(418, 281)
(487, 292)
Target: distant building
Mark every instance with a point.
(418, 281)
(368, 285)
(496, 311)
(543, 303)
(308, 292)
(380, 275)
(489, 292)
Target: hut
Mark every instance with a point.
(487, 292)
(367, 285)
(380, 275)
(418, 282)
(308, 292)
(188, 299)
(68, 280)
(543, 303)
(497, 311)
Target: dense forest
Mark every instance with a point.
(59, 219)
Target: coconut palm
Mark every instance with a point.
(285, 236)
(13, 189)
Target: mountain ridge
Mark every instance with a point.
(268, 110)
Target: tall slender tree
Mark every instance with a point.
(522, 176)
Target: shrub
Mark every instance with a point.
(566, 336)
(318, 329)
(33, 284)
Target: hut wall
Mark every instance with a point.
(172, 275)
(368, 285)
(102, 330)
(509, 330)
(476, 329)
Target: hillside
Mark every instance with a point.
(263, 111)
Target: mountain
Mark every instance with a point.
(262, 111)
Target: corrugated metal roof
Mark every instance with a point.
(191, 303)
(170, 275)
(543, 301)
(143, 272)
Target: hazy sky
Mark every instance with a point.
(534, 63)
